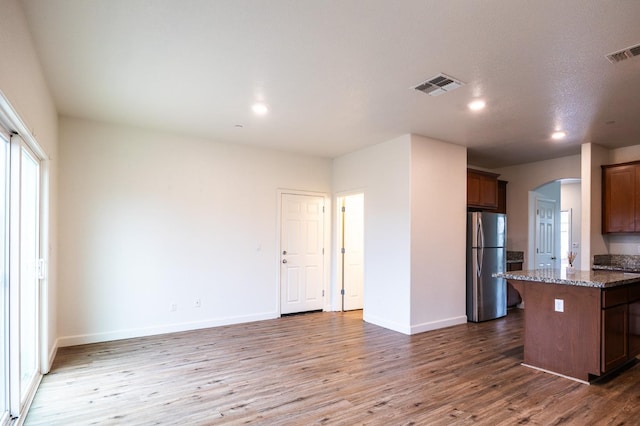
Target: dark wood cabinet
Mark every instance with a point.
(634, 327)
(620, 325)
(595, 331)
(634, 320)
(514, 266)
(513, 297)
(614, 337)
(482, 189)
(621, 198)
(502, 197)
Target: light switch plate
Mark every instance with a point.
(559, 305)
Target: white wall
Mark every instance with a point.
(415, 230)
(438, 234)
(524, 178)
(587, 167)
(382, 172)
(23, 84)
(148, 219)
(624, 155)
(571, 200)
(592, 157)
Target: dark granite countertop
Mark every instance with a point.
(619, 268)
(598, 279)
(616, 262)
(515, 256)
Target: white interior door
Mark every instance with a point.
(546, 255)
(353, 252)
(301, 257)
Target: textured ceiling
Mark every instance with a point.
(338, 75)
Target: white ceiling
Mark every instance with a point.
(338, 74)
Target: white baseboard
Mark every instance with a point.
(415, 329)
(400, 328)
(436, 325)
(151, 331)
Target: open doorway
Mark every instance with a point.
(351, 252)
(554, 223)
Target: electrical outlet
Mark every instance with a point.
(174, 307)
(559, 305)
(196, 303)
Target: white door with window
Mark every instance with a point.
(546, 255)
(301, 253)
(352, 252)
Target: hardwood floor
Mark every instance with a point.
(324, 368)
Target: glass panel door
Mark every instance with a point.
(29, 276)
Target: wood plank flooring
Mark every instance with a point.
(324, 368)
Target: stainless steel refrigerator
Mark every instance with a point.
(486, 254)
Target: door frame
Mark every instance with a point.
(326, 258)
(563, 256)
(336, 295)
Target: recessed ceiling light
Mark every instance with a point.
(559, 135)
(477, 105)
(260, 108)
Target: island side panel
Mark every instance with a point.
(565, 342)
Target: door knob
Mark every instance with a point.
(284, 252)
(284, 260)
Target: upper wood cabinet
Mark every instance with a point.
(502, 197)
(621, 198)
(482, 189)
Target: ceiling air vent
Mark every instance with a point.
(624, 54)
(439, 85)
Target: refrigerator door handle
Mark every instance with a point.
(480, 250)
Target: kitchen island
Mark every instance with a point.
(582, 325)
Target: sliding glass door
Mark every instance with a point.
(20, 274)
(29, 271)
(22, 270)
